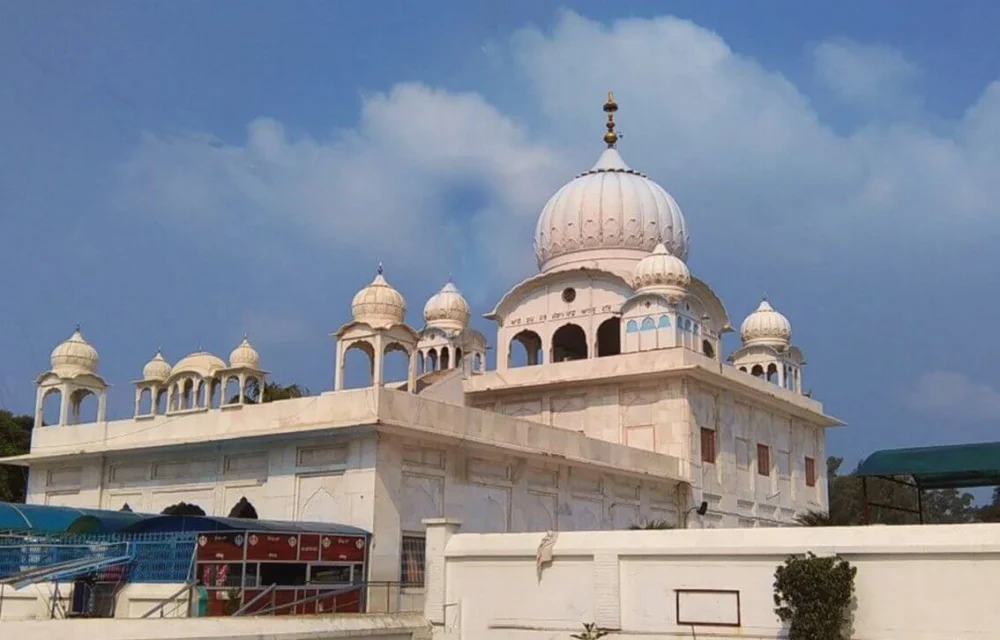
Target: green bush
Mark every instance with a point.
(814, 596)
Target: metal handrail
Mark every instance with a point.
(320, 596)
(257, 597)
(187, 586)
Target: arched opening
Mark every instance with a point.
(215, 394)
(445, 358)
(175, 397)
(757, 371)
(83, 407)
(432, 360)
(146, 406)
(707, 348)
(632, 327)
(187, 393)
(569, 342)
(663, 322)
(420, 362)
(772, 373)
(647, 324)
(358, 368)
(251, 390)
(200, 397)
(232, 390)
(609, 337)
(243, 509)
(458, 357)
(161, 401)
(530, 352)
(51, 404)
(395, 363)
(743, 369)
(477, 363)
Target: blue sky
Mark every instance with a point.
(177, 174)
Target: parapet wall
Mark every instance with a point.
(913, 582)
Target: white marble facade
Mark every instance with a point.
(610, 403)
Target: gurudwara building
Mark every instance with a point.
(611, 403)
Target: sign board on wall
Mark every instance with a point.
(708, 607)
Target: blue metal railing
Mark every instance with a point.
(157, 557)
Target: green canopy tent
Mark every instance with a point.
(960, 466)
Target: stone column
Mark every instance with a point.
(439, 531)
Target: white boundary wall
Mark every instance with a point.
(913, 582)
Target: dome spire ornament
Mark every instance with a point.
(378, 269)
(611, 138)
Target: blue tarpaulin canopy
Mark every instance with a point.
(48, 520)
(167, 523)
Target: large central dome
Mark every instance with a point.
(611, 212)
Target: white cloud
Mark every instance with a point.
(954, 395)
(748, 158)
(870, 76)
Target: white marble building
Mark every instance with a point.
(610, 404)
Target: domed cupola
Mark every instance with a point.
(766, 326)
(244, 355)
(74, 355)
(447, 309)
(379, 305)
(611, 214)
(663, 273)
(157, 368)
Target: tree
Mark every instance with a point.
(183, 509)
(273, 391)
(991, 511)
(15, 440)
(847, 502)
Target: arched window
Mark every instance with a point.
(445, 358)
(609, 337)
(772, 373)
(432, 360)
(395, 362)
(743, 369)
(648, 324)
(232, 392)
(358, 367)
(530, 352)
(664, 322)
(458, 357)
(694, 327)
(569, 342)
(146, 406)
(243, 509)
(707, 348)
(757, 371)
(631, 327)
(420, 362)
(477, 363)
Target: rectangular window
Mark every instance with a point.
(411, 572)
(810, 472)
(708, 446)
(763, 460)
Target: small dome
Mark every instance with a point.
(447, 309)
(74, 355)
(662, 272)
(157, 368)
(378, 304)
(200, 363)
(244, 355)
(765, 326)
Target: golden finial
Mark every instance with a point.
(609, 108)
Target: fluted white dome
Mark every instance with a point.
(244, 355)
(765, 326)
(200, 363)
(611, 211)
(663, 273)
(378, 304)
(74, 355)
(157, 368)
(447, 309)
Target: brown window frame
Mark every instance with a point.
(810, 472)
(763, 460)
(708, 453)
